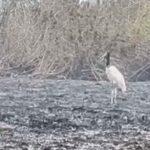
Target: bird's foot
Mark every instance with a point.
(114, 103)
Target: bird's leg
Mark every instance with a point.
(113, 96)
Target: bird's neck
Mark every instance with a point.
(108, 60)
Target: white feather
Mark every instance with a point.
(115, 76)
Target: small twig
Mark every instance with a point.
(142, 69)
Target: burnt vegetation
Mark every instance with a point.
(60, 39)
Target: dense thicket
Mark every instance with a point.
(61, 39)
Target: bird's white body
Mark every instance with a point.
(116, 77)
(118, 81)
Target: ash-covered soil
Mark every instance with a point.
(42, 114)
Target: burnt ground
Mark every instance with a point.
(45, 114)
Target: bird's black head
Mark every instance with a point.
(107, 59)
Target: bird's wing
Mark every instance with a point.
(115, 76)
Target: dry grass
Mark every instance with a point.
(60, 39)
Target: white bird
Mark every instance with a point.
(115, 77)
